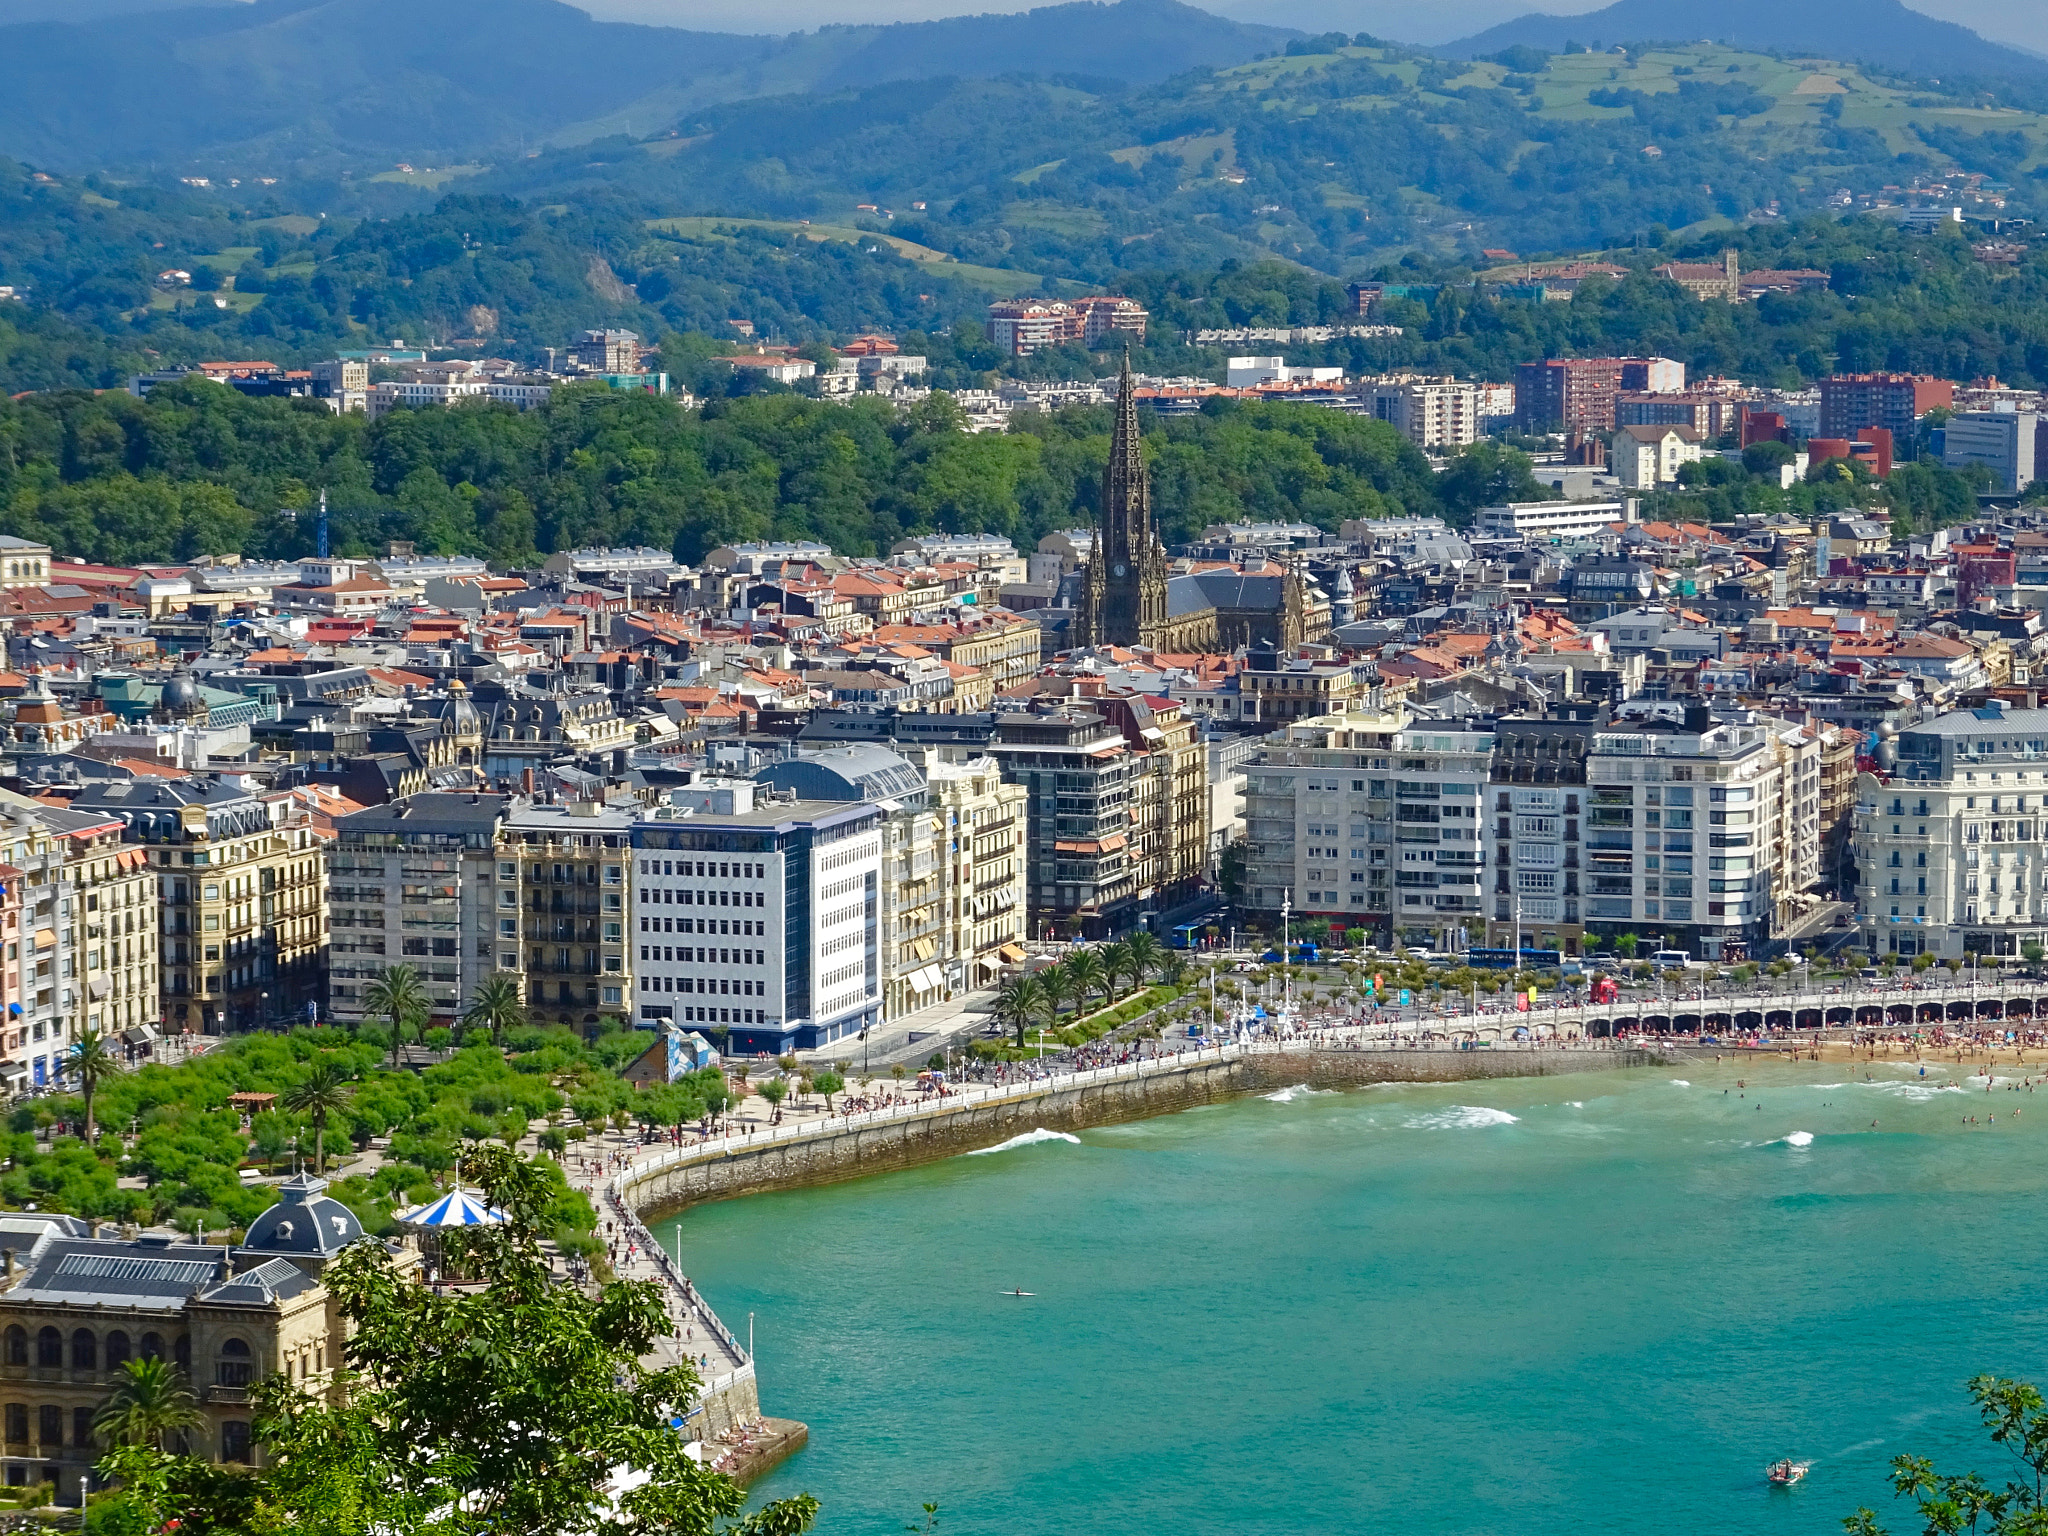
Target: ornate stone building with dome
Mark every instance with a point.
(77, 1302)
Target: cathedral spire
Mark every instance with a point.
(1126, 496)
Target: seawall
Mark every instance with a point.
(856, 1146)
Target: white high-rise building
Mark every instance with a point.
(757, 917)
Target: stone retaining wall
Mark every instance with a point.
(950, 1127)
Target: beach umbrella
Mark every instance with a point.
(457, 1208)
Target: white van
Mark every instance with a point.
(1672, 959)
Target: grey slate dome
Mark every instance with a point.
(180, 695)
(458, 715)
(304, 1222)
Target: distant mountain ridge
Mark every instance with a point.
(449, 80)
(1881, 32)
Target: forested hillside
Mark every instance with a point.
(1330, 156)
(197, 468)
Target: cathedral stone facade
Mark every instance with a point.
(1129, 599)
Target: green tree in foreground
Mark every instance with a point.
(512, 1410)
(2014, 1414)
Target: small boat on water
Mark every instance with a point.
(1786, 1473)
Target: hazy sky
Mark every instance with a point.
(2022, 22)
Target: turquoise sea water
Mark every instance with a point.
(1399, 1309)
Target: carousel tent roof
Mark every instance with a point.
(457, 1208)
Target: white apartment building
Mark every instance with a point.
(1437, 415)
(1950, 836)
(1684, 830)
(1319, 814)
(757, 917)
(953, 867)
(1549, 519)
(2005, 442)
(1440, 770)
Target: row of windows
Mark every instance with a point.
(688, 954)
(706, 868)
(724, 985)
(746, 926)
(668, 897)
(85, 1348)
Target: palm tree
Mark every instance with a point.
(1116, 963)
(496, 1007)
(1085, 974)
(150, 1400)
(320, 1093)
(1017, 1000)
(1173, 968)
(1143, 952)
(92, 1060)
(398, 995)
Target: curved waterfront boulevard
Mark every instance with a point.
(1181, 1075)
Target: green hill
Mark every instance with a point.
(281, 87)
(1333, 159)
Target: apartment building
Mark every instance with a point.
(1535, 801)
(568, 869)
(2008, 443)
(1439, 853)
(1684, 832)
(420, 883)
(1024, 326)
(39, 925)
(1849, 402)
(1550, 519)
(117, 907)
(1319, 815)
(1078, 776)
(1950, 841)
(1437, 415)
(242, 884)
(1577, 394)
(778, 904)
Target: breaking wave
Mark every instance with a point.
(1796, 1139)
(1289, 1095)
(1461, 1117)
(1029, 1138)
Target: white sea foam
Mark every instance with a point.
(1797, 1138)
(1461, 1117)
(1679, 1082)
(1575, 1103)
(1029, 1138)
(1298, 1091)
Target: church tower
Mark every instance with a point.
(1123, 601)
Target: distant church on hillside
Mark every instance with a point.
(1129, 599)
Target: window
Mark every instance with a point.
(84, 1350)
(50, 1349)
(234, 1440)
(117, 1350)
(17, 1422)
(50, 1424)
(81, 1427)
(233, 1368)
(17, 1346)
(152, 1346)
